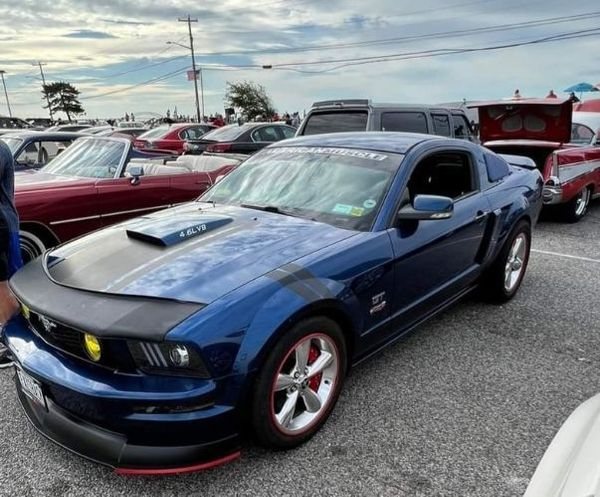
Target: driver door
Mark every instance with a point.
(122, 198)
(434, 260)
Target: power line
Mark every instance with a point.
(440, 52)
(402, 39)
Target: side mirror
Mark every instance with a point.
(135, 172)
(427, 207)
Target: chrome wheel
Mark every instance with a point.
(582, 202)
(31, 246)
(515, 262)
(305, 383)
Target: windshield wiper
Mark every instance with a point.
(269, 208)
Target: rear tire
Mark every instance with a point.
(299, 383)
(31, 246)
(574, 210)
(503, 279)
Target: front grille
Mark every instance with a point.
(57, 335)
(115, 355)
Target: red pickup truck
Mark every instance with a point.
(541, 130)
(97, 182)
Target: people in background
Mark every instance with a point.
(551, 94)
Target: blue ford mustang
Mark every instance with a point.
(154, 345)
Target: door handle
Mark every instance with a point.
(481, 215)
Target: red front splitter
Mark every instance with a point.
(179, 471)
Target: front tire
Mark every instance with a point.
(503, 280)
(576, 208)
(299, 383)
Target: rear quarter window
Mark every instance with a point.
(408, 122)
(336, 122)
(497, 168)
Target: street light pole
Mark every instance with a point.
(5, 92)
(40, 64)
(189, 21)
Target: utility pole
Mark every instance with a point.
(5, 92)
(40, 64)
(189, 21)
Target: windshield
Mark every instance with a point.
(155, 133)
(89, 158)
(226, 133)
(13, 143)
(342, 187)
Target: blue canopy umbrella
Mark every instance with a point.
(581, 88)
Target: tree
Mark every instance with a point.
(62, 97)
(250, 99)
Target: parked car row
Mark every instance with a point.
(241, 312)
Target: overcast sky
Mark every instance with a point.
(110, 45)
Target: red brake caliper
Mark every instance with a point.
(315, 381)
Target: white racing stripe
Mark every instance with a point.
(567, 256)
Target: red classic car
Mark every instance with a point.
(171, 137)
(541, 130)
(97, 182)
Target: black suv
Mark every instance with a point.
(336, 116)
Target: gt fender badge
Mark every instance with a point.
(378, 302)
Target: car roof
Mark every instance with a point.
(591, 119)
(344, 104)
(383, 141)
(44, 135)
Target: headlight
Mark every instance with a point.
(170, 358)
(92, 347)
(25, 311)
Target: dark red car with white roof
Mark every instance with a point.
(171, 137)
(541, 130)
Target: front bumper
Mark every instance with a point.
(95, 413)
(113, 449)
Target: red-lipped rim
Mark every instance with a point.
(305, 384)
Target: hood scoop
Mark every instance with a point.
(168, 232)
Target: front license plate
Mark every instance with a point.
(31, 387)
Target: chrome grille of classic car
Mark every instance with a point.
(57, 335)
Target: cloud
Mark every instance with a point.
(125, 45)
(124, 22)
(88, 33)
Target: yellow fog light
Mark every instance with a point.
(92, 347)
(25, 311)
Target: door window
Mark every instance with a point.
(192, 133)
(265, 134)
(441, 124)
(449, 174)
(288, 132)
(408, 122)
(461, 126)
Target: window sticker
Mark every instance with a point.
(346, 152)
(369, 204)
(342, 209)
(357, 211)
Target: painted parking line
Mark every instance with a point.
(567, 256)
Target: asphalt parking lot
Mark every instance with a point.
(465, 406)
